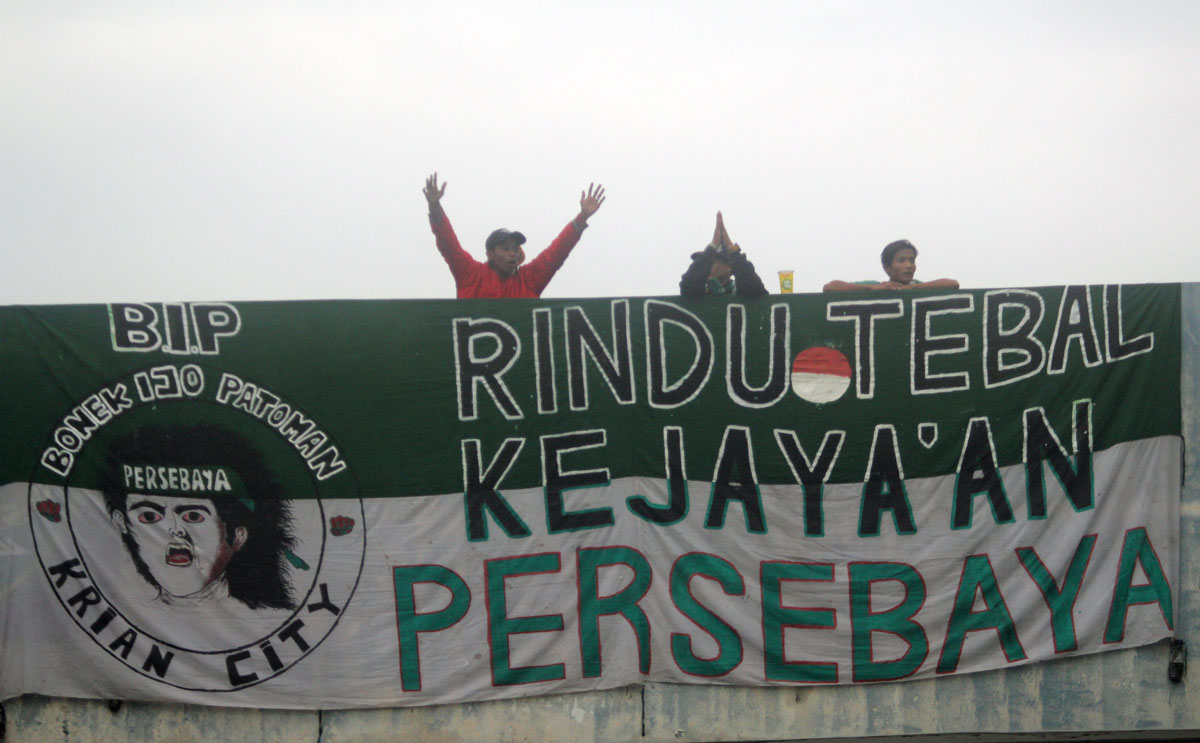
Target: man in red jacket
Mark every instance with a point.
(503, 275)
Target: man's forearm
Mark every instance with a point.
(938, 284)
(691, 284)
(749, 283)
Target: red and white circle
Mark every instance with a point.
(820, 374)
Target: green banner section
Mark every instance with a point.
(403, 398)
(323, 504)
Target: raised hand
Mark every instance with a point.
(433, 194)
(589, 202)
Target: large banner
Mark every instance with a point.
(338, 504)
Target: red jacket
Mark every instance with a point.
(476, 280)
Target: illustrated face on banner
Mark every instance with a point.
(202, 516)
(182, 542)
(200, 547)
(210, 551)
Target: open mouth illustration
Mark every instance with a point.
(179, 555)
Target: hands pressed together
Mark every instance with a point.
(721, 237)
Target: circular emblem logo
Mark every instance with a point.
(203, 530)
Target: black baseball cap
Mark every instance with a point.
(500, 235)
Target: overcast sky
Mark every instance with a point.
(204, 151)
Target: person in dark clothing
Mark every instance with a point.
(721, 268)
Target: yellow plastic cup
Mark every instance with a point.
(785, 282)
